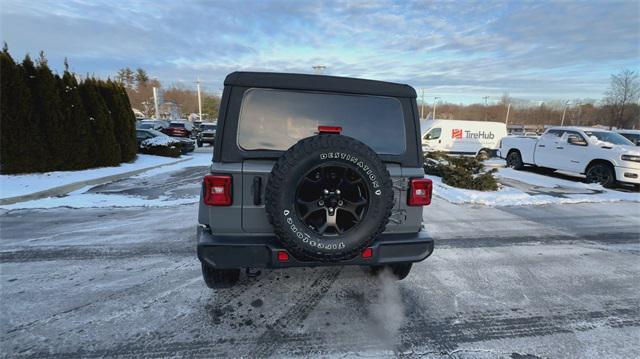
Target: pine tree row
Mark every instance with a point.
(53, 123)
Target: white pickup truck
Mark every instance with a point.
(605, 157)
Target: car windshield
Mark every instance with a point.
(208, 127)
(634, 136)
(145, 126)
(177, 124)
(277, 119)
(611, 137)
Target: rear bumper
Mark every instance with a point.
(232, 251)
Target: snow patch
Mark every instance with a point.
(20, 185)
(82, 199)
(531, 189)
(160, 141)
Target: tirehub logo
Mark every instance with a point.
(456, 134)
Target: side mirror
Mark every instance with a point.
(427, 136)
(577, 141)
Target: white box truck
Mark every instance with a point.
(469, 138)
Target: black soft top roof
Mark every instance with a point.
(319, 83)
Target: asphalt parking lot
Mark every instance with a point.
(512, 282)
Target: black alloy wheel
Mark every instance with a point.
(602, 174)
(331, 199)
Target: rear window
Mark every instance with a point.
(277, 119)
(177, 125)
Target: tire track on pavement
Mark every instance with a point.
(273, 337)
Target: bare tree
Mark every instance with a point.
(623, 91)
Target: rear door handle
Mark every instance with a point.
(542, 146)
(257, 190)
(560, 147)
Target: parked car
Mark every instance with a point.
(186, 145)
(471, 138)
(207, 134)
(631, 135)
(146, 124)
(313, 171)
(179, 129)
(151, 124)
(605, 157)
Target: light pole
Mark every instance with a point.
(435, 103)
(485, 107)
(506, 121)
(155, 103)
(564, 112)
(199, 100)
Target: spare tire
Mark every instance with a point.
(328, 197)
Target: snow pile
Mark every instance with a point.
(527, 188)
(81, 199)
(20, 185)
(160, 141)
(503, 197)
(84, 199)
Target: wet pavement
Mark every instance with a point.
(503, 282)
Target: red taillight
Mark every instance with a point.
(217, 190)
(283, 256)
(330, 129)
(420, 192)
(367, 253)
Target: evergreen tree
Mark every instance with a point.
(106, 151)
(130, 120)
(47, 101)
(141, 77)
(119, 116)
(76, 123)
(39, 157)
(127, 77)
(15, 117)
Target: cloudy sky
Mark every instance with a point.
(460, 51)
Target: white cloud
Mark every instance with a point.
(530, 48)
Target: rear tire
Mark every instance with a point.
(328, 197)
(514, 160)
(219, 278)
(602, 173)
(483, 155)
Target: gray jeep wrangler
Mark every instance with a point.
(313, 171)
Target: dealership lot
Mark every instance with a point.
(556, 280)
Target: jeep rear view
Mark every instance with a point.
(313, 171)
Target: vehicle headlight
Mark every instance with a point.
(634, 158)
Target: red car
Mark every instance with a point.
(179, 129)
